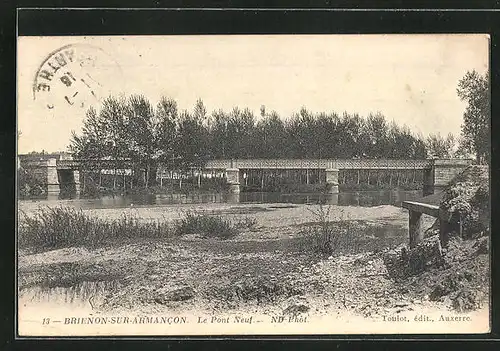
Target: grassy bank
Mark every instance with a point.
(52, 228)
(314, 258)
(324, 230)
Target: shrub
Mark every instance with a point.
(466, 199)
(29, 184)
(326, 237)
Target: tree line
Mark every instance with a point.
(132, 128)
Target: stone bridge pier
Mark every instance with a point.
(441, 173)
(53, 184)
(332, 180)
(61, 179)
(233, 180)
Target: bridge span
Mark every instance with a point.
(437, 172)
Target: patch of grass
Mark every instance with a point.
(208, 226)
(246, 222)
(58, 227)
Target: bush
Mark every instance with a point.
(326, 237)
(29, 184)
(466, 199)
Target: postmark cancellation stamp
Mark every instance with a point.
(73, 75)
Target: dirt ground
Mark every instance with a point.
(262, 270)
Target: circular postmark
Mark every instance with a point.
(75, 75)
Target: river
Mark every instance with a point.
(350, 198)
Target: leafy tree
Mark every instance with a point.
(376, 130)
(143, 133)
(352, 141)
(218, 135)
(244, 123)
(474, 89)
(192, 141)
(200, 112)
(133, 129)
(168, 118)
(270, 138)
(301, 136)
(440, 147)
(326, 135)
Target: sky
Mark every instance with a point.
(411, 79)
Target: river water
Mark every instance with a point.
(350, 198)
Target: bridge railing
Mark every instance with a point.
(272, 163)
(105, 164)
(320, 163)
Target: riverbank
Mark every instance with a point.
(264, 270)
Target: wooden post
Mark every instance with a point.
(414, 228)
(443, 231)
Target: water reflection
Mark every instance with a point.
(355, 198)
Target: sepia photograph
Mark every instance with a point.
(177, 185)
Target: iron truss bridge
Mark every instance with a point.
(419, 164)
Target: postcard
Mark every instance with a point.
(253, 185)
